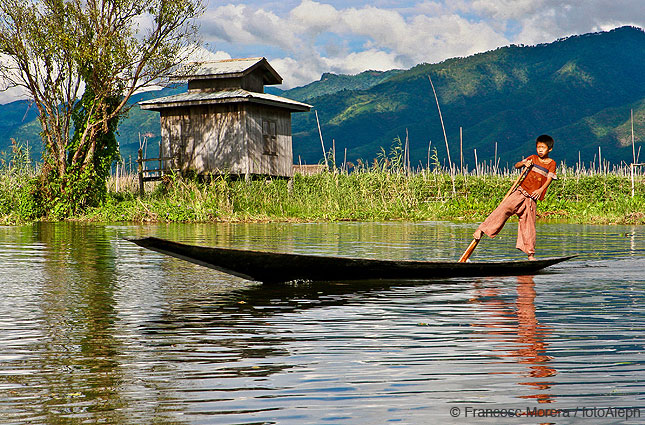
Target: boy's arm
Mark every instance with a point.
(526, 162)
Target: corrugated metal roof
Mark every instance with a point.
(227, 68)
(206, 98)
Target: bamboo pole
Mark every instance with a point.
(333, 152)
(407, 152)
(321, 141)
(140, 172)
(345, 160)
(443, 127)
(633, 146)
(632, 176)
(441, 119)
(461, 149)
(476, 166)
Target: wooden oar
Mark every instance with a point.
(466, 255)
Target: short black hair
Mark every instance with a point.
(546, 139)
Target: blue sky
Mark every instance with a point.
(304, 38)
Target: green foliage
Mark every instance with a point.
(113, 49)
(19, 195)
(372, 194)
(83, 184)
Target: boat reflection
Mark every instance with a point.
(516, 324)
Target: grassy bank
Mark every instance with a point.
(372, 196)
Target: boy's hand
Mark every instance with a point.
(528, 162)
(536, 194)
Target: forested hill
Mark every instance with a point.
(332, 83)
(579, 89)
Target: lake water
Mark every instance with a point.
(94, 329)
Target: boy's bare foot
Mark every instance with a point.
(478, 234)
(532, 257)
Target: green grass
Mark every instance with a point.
(379, 192)
(371, 196)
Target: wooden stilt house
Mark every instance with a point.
(225, 123)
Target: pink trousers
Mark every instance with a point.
(523, 206)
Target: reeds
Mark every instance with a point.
(388, 188)
(382, 191)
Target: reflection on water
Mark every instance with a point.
(516, 324)
(96, 329)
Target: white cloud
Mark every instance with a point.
(305, 38)
(11, 95)
(322, 37)
(559, 18)
(314, 18)
(501, 9)
(200, 54)
(243, 25)
(316, 37)
(296, 72)
(8, 93)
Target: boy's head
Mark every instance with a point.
(546, 139)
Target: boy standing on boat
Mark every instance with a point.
(523, 200)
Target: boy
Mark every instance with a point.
(524, 199)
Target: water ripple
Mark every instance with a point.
(96, 329)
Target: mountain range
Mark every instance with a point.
(579, 89)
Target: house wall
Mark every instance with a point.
(281, 163)
(253, 81)
(205, 139)
(227, 139)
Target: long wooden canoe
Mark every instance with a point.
(271, 267)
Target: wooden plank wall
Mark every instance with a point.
(226, 139)
(280, 164)
(206, 139)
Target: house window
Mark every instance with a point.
(270, 137)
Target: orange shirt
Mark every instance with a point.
(538, 174)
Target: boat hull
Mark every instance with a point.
(271, 267)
